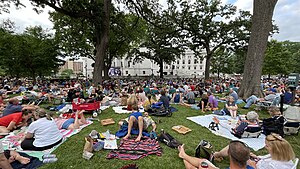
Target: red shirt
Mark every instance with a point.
(15, 117)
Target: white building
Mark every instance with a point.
(186, 66)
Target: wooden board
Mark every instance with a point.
(181, 129)
(107, 122)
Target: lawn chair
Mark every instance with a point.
(266, 104)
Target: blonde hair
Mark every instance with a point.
(41, 113)
(133, 101)
(280, 149)
(274, 111)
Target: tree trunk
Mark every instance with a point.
(161, 69)
(207, 65)
(261, 26)
(102, 43)
(106, 68)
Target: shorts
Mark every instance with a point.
(67, 123)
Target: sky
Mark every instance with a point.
(286, 16)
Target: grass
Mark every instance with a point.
(70, 152)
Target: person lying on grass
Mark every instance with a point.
(71, 123)
(13, 107)
(136, 120)
(11, 122)
(12, 156)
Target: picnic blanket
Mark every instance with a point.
(239, 101)
(119, 110)
(131, 150)
(224, 131)
(102, 108)
(13, 141)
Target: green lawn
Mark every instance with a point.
(70, 152)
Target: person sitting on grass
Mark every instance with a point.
(231, 107)
(212, 101)
(136, 121)
(149, 101)
(280, 154)
(250, 121)
(164, 99)
(177, 97)
(42, 134)
(204, 102)
(71, 123)
(254, 99)
(11, 122)
(237, 151)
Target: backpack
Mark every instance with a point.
(177, 98)
(168, 140)
(204, 150)
(157, 109)
(273, 125)
(291, 128)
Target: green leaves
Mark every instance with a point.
(32, 53)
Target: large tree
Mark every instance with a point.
(261, 27)
(210, 25)
(95, 13)
(163, 41)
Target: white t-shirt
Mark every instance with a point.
(266, 162)
(45, 132)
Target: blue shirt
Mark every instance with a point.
(248, 167)
(11, 108)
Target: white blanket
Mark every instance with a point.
(254, 143)
(119, 110)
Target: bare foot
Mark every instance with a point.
(127, 136)
(23, 160)
(181, 151)
(138, 138)
(216, 120)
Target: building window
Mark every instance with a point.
(177, 62)
(167, 67)
(189, 57)
(132, 63)
(128, 64)
(183, 62)
(195, 67)
(189, 61)
(201, 61)
(121, 64)
(189, 67)
(200, 67)
(177, 67)
(144, 72)
(114, 64)
(195, 61)
(182, 67)
(126, 72)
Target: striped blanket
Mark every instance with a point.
(131, 150)
(13, 141)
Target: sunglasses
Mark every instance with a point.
(274, 137)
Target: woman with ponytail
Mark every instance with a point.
(41, 134)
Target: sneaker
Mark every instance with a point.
(49, 160)
(49, 156)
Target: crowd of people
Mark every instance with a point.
(43, 128)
